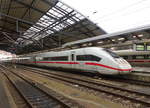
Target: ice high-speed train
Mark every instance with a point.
(92, 59)
(136, 58)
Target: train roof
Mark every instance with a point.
(60, 51)
(131, 52)
(75, 49)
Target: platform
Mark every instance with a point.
(140, 74)
(141, 69)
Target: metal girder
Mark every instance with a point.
(3, 43)
(73, 28)
(21, 20)
(18, 7)
(48, 2)
(35, 41)
(58, 14)
(104, 32)
(7, 29)
(36, 9)
(11, 22)
(69, 33)
(50, 27)
(10, 39)
(9, 7)
(58, 9)
(27, 9)
(8, 10)
(63, 11)
(60, 33)
(80, 30)
(62, 19)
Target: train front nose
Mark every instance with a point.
(124, 66)
(124, 70)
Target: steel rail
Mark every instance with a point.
(100, 87)
(34, 100)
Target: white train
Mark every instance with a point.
(136, 58)
(91, 59)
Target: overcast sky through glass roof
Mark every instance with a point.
(114, 15)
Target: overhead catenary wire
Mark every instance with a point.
(124, 14)
(121, 10)
(137, 10)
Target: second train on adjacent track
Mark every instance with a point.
(135, 58)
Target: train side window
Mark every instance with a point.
(148, 56)
(88, 58)
(95, 58)
(133, 57)
(80, 57)
(59, 58)
(46, 58)
(72, 57)
(114, 55)
(125, 57)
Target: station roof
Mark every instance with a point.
(33, 25)
(135, 35)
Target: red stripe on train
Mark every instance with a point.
(57, 62)
(87, 63)
(96, 64)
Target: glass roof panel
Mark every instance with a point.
(47, 25)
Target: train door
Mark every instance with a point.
(80, 59)
(72, 60)
(34, 59)
(89, 58)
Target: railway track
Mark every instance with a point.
(141, 72)
(105, 77)
(127, 80)
(34, 96)
(129, 94)
(134, 81)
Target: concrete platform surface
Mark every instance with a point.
(141, 69)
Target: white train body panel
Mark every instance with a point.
(91, 59)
